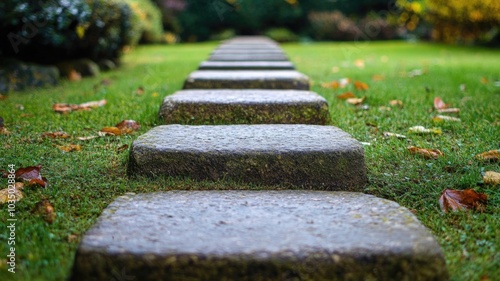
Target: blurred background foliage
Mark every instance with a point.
(54, 30)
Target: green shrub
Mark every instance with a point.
(281, 35)
(149, 18)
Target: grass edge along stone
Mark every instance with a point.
(303, 156)
(258, 235)
(211, 107)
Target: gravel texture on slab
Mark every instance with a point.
(247, 79)
(205, 107)
(257, 235)
(304, 156)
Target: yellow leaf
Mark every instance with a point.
(12, 194)
(80, 31)
(491, 155)
(491, 177)
(423, 130)
(439, 118)
(110, 131)
(426, 152)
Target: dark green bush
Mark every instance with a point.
(149, 18)
(281, 35)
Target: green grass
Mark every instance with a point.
(83, 183)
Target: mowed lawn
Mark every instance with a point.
(82, 183)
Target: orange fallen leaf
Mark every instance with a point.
(74, 75)
(439, 103)
(456, 200)
(359, 63)
(330, 85)
(484, 80)
(55, 135)
(66, 107)
(70, 147)
(360, 85)
(128, 126)
(491, 177)
(122, 148)
(395, 103)
(356, 101)
(378, 77)
(492, 155)
(110, 131)
(3, 97)
(31, 175)
(346, 95)
(46, 210)
(426, 152)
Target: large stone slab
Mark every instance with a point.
(257, 235)
(247, 51)
(305, 156)
(246, 65)
(247, 79)
(245, 107)
(248, 57)
(248, 47)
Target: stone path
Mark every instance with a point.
(258, 235)
(254, 235)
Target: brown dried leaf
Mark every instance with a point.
(74, 75)
(439, 103)
(128, 126)
(491, 177)
(346, 95)
(426, 152)
(330, 85)
(71, 147)
(110, 131)
(360, 85)
(66, 107)
(356, 101)
(484, 80)
(456, 200)
(15, 194)
(492, 155)
(122, 148)
(396, 103)
(46, 210)
(72, 238)
(55, 135)
(31, 175)
(140, 90)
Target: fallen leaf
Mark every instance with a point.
(344, 82)
(439, 103)
(46, 210)
(356, 101)
(139, 90)
(415, 73)
(72, 238)
(456, 200)
(384, 108)
(66, 107)
(87, 138)
(491, 177)
(492, 155)
(360, 85)
(346, 95)
(396, 103)
(484, 80)
(359, 63)
(3, 97)
(31, 175)
(389, 134)
(122, 148)
(423, 130)
(55, 135)
(449, 110)
(15, 194)
(19, 106)
(70, 147)
(128, 126)
(74, 75)
(110, 131)
(378, 77)
(439, 118)
(426, 152)
(330, 85)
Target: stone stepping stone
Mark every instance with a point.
(247, 79)
(248, 47)
(248, 51)
(248, 57)
(257, 235)
(305, 156)
(246, 65)
(245, 107)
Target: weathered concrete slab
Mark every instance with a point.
(306, 156)
(247, 79)
(244, 107)
(248, 47)
(248, 57)
(248, 51)
(246, 65)
(257, 235)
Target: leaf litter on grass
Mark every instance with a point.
(457, 200)
(67, 107)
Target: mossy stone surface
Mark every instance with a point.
(205, 107)
(246, 65)
(247, 79)
(258, 235)
(17, 75)
(298, 156)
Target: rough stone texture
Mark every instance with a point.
(258, 235)
(306, 156)
(16, 75)
(246, 65)
(248, 48)
(248, 57)
(247, 79)
(244, 107)
(248, 51)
